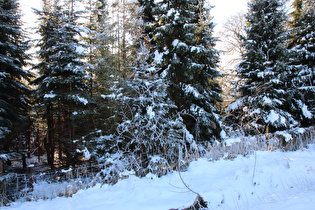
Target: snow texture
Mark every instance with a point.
(234, 106)
(286, 135)
(150, 112)
(50, 95)
(231, 141)
(4, 156)
(266, 180)
(191, 90)
(81, 99)
(158, 56)
(273, 117)
(86, 153)
(306, 113)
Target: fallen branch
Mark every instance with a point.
(199, 201)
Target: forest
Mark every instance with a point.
(138, 85)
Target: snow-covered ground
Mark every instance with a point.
(266, 180)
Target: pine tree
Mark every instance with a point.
(265, 104)
(302, 60)
(14, 93)
(187, 58)
(62, 92)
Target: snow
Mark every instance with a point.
(175, 42)
(4, 156)
(85, 151)
(150, 112)
(286, 135)
(191, 90)
(158, 57)
(66, 171)
(265, 180)
(50, 95)
(170, 12)
(189, 136)
(80, 49)
(111, 96)
(3, 74)
(273, 116)
(267, 100)
(223, 134)
(306, 112)
(80, 99)
(260, 74)
(195, 49)
(231, 141)
(235, 105)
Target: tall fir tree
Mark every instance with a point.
(265, 104)
(14, 93)
(187, 58)
(105, 78)
(62, 86)
(302, 59)
(148, 8)
(295, 17)
(99, 40)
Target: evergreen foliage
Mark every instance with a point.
(105, 77)
(147, 8)
(265, 104)
(14, 93)
(104, 72)
(186, 57)
(302, 60)
(295, 16)
(62, 93)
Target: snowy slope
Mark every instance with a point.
(266, 180)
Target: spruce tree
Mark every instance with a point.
(62, 86)
(187, 58)
(302, 60)
(14, 93)
(264, 105)
(104, 71)
(105, 79)
(148, 8)
(295, 19)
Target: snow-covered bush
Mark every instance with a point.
(151, 132)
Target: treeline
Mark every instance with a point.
(140, 78)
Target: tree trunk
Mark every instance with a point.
(50, 143)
